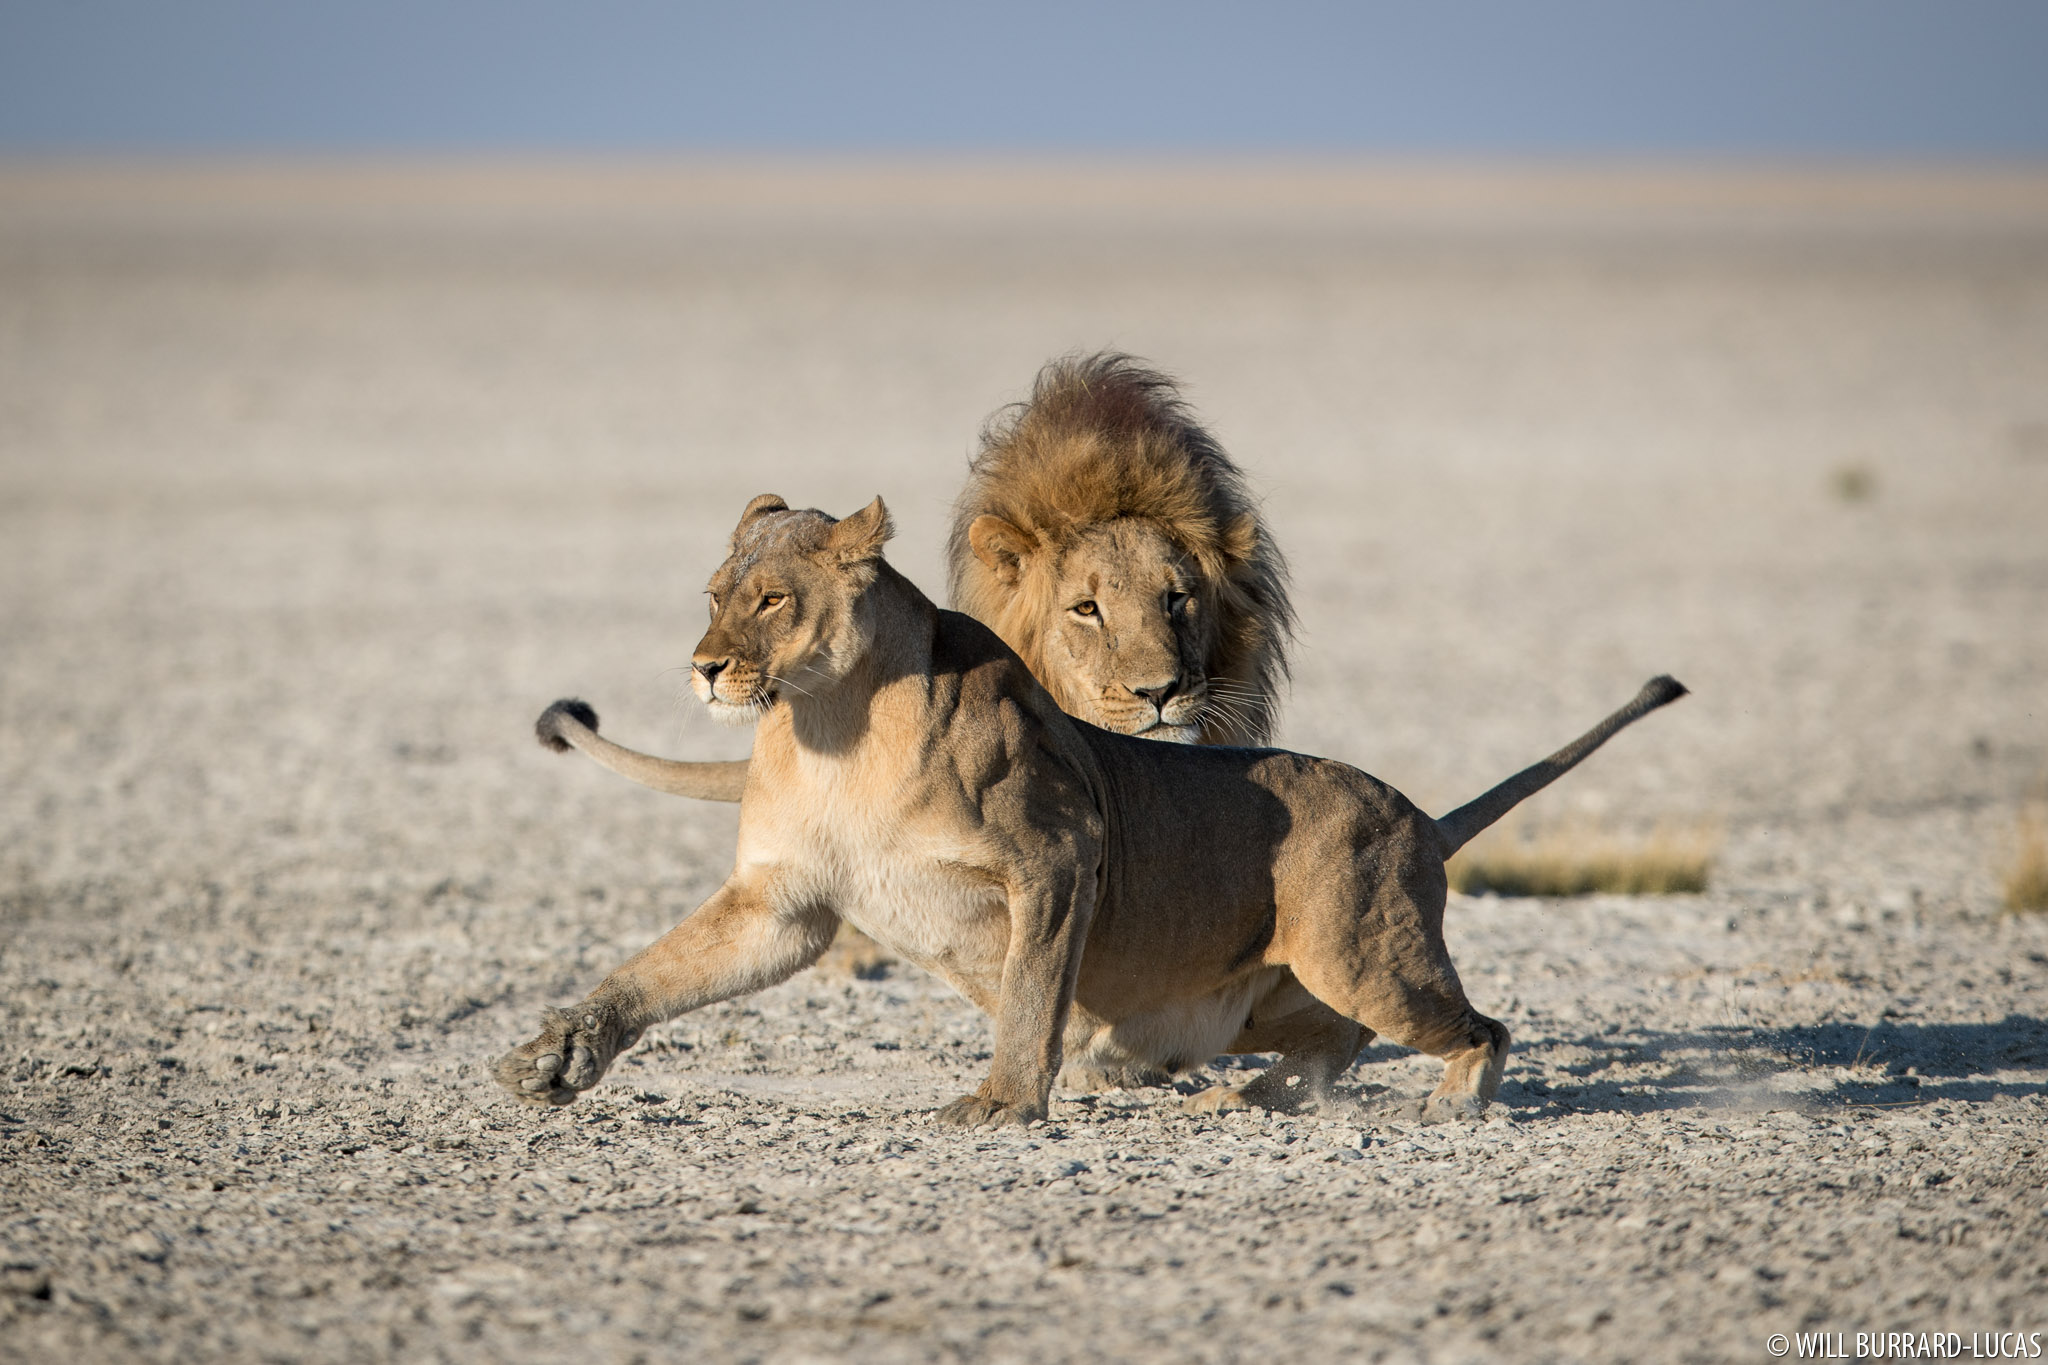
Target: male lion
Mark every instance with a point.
(1106, 900)
(1107, 538)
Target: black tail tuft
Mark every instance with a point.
(1663, 689)
(548, 728)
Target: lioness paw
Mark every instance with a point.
(972, 1111)
(1451, 1109)
(1217, 1099)
(1093, 1079)
(572, 1053)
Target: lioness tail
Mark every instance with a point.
(572, 724)
(1462, 824)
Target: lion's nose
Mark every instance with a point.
(709, 669)
(1159, 693)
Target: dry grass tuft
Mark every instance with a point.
(2026, 879)
(855, 954)
(1576, 859)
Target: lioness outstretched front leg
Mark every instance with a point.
(575, 1048)
(1048, 924)
(741, 940)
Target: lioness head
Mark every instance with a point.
(1125, 630)
(785, 606)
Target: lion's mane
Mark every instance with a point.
(1102, 437)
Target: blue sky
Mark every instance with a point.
(1883, 79)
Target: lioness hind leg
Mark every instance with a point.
(1471, 1073)
(1372, 948)
(1474, 1047)
(1318, 1045)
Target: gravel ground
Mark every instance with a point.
(315, 488)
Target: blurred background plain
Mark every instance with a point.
(372, 374)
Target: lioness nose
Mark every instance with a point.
(709, 669)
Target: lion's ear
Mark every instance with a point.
(1241, 538)
(1000, 545)
(861, 535)
(759, 507)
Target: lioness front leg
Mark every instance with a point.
(575, 1048)
(1048, 925)
(739, 941)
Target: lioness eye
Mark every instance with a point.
(1084, 609)
(773, 600)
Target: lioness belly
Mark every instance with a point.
(940, 919)
(1172, 1038)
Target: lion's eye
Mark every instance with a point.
(770, 601)
(1084, 609)
(1176, 602)
(712, 597)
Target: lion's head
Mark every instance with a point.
(1109, 540)
(784, 606)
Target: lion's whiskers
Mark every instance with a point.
(1238, 692)
(1234, 712)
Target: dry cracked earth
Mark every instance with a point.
(316, 487)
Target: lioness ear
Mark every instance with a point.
(1000, 545)
(759, 507)
(861, 535)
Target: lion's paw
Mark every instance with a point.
(973, 1111)
(1217, 1099)
(572, 1053)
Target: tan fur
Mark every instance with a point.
(1105, 899)
(1101, 488)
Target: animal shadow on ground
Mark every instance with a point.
(1806, 1068)
(1888, 1063)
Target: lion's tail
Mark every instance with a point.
(1459, 827)
(572, 724)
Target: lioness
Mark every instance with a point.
(1105, 899)
(1104, 534)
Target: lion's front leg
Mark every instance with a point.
(741, 940)
(1048, 927)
